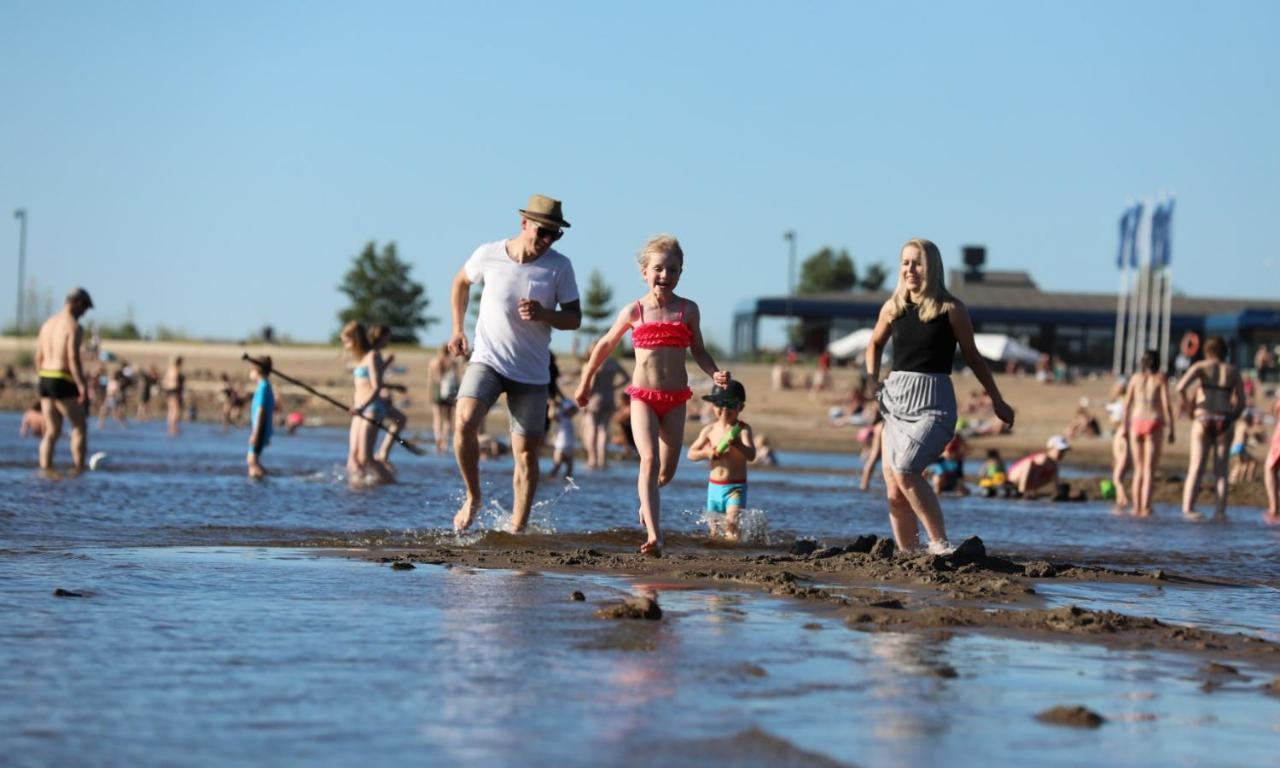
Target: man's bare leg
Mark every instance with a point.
(79, 431)
(52, 431)
(524, 478)
(469, 413)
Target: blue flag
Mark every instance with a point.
(1164, 255)
(1128, 252)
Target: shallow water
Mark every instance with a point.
(198, 639)
(210, 655)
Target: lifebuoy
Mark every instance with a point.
(1190, 344)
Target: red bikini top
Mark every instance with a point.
(657, 334)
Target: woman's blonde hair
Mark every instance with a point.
(354, 331)
(935, 299)
(660, 244)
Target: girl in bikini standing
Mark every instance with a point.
(1147, 411)
(362, 466)
(662, 326)
(1218, 402)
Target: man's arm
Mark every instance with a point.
(73, 357)
(567, 318)
(459, 295)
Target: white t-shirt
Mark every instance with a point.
(517, 349)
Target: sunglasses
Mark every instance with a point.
(552, 235)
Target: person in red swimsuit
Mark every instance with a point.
(1148, 416)
(662, 327)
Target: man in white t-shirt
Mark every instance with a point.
(524, 281)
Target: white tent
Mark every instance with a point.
(852, 345)
(1002, 348)
(992, 346)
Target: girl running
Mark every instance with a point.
(662, 326)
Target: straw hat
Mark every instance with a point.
(544, 210)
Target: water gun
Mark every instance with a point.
(734, 431)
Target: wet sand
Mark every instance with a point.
(871, 588)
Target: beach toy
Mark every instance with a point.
(1107, 489)
(734, 431)
(96, 459)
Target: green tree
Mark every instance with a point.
(597, 307)
(380, 290)
(827, 271)
(874, 279)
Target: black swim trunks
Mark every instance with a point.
(58, 388)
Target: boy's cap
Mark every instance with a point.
(733, 394)
(1059, 442)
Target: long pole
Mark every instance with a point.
(1168, 317)
(272, 370)
(21, 215)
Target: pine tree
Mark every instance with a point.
(597, 309)
(381, 290)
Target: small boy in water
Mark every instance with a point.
(728, 443)
(562, 411)
(261, 415)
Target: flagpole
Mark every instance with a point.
(1117, 361)
(1156, 288)
(1166, 258)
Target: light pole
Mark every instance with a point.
(790, 237)
(21, 215)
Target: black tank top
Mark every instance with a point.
(922, 347)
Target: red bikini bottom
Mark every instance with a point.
(660, 401)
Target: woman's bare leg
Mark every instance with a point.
(1119, 466)
(1195, 466)
(872, 458)
(906, 532)
(1221, 452)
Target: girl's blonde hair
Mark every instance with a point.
(935, 299)
(354, 331)
(660, 244)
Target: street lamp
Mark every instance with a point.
(790, 237)
(21, 215)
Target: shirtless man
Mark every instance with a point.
(64, 392)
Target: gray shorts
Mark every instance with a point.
(527, 403)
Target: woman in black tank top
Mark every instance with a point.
(917, 400)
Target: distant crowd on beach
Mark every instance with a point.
(910, 421)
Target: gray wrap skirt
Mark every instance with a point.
(919, 411)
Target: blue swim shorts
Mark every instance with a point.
(723, 496)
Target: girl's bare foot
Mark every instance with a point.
(1271, 518)
(1192, 515)
(652, 548)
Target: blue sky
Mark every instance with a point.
(216, 166)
